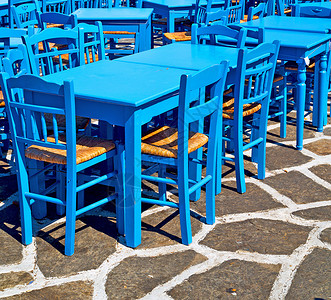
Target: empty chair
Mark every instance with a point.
(91, 43)
(25, 14)
(59, 6)
(256, 12)
(55, 19)
(311, 11)
(254, 77)
(70, 153)
(171, 146)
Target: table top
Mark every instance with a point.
(121, 83)
(114, 13)
(291, 24)
(179, 3)
(185, 56)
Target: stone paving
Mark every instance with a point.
(273, 242)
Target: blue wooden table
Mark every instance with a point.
(299, 46)
(171, 9)
(120, 19)
(104, 91)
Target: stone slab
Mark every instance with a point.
(78, 290)
(318, 213)
(10, 280)
(298, 187)
(326, 235)
(229, 201)
(163, 229)
(95, 240)
(322, 171)
(320, 147)
(281, 157)
(134, 277)
(257, 235)
(232, 279)
(312, 279)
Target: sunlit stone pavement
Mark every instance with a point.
(273, 242)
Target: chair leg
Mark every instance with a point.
(70, 213)
(283, 108)
(184, 203)
(162, 186)
(239, 161)
(60, 190)
(119, 163)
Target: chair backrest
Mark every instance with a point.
(8, 37)
(58, 6)
(254, 77)
(259, 11)
(200, 11)
(192, 108)
(54, 18)
(210, 33)
(302, 10)
(86, 4)
(52, 50)
(91, 43)
(16, 62)
(27, 117)
(25, 14)
(231, 14)
(257, 34)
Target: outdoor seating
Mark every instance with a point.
(25, 14)
(168, 146)
(55, 19)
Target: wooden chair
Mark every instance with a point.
(55, 19)
(25, 14)
(171, 146)
(57, 6)
(31, 142)
(91, 43)
(256, 12)
(254, 76)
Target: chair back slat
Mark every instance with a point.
(52, 18)
(25, 14)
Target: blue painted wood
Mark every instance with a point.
(121, 19)
(28, 126)
(259, 11)
(57, 18)
(25, 14)
(59, 6)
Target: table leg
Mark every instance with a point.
(300, 101)
(322, 92)
(171, 22)
(132, 198)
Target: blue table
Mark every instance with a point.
(104, 91)
(298, 46)
(120, 19)
(171, 9)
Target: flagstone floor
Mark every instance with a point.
(273, 242)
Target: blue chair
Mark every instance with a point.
(58, 6)
(91, 43)
(170, 146)
(25, 14)
(31, 142)
(257, 12)
(45, 54)
(232, 14)
(55, 19)
(212, 33)
(247, 111)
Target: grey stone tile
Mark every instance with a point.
(95, 241)
(163, 229)
(229, 201)
(280, 157)
(320, 147)
(134, 277)
(250, 280)
(327, 131)
(10, 236)
(322, 171)
(257, 235)
(78, 290)
(312, 279)
(318, 213)
(326, 235)
(9, 280)
(298, 187)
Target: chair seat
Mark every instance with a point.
(228, 108)
(277, 78)
(178, 36)
(163, 142)
(292, 66)
(86, 148)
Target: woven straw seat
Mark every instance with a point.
(2, 104)
(292, 66)
(86, 148)
(246, 17)
(178, 36)
(81, 122)
(163, 142)
(277, 78)
(228, 108)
